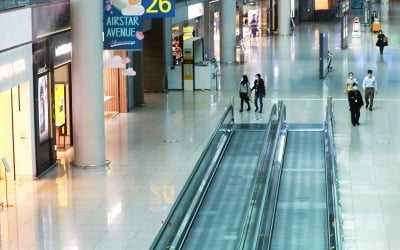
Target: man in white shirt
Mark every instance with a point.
(370, 86)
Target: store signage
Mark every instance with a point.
(344, 6)
(122, 26)
(122, 21)
(11, 69)
(144, 8)
(63, 49)
(187, 32)
(195, 10)
(159, 8)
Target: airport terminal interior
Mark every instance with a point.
(153, 149)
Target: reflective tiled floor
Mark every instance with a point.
(153, 149)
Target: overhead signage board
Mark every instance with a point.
(122, 26)
(143, 8)
(195, 10)
(158, 8)
(122, 21)
(344, 6)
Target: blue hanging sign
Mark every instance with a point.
(122, 20)
(122, 26)
(158, 8)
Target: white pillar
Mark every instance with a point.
(87, 83)
(228, 31)
(284, 17)
(384, 12)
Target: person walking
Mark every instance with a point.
(259, 87)
(254, 25)
(370, 87)
(244, 91)
(349, 83)
(381, 42)
(355, 102)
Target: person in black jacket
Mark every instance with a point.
(381, 42)
(260, 92)
(356, 102)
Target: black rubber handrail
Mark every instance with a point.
(258, 184)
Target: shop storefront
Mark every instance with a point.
(16, 113)
(187, 24)
(116, 92)
(51, 82)
(17, 134)
(61, 46)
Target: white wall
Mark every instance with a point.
(16, 28)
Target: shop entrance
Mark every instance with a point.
(15, 130)
(62, 107)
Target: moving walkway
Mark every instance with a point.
(258, 186)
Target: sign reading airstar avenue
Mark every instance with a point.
(122, 21)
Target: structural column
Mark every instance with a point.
(87, 78)
(284, 17)
(384, 13)
(138, 79)
(228, 31)
(208, 31)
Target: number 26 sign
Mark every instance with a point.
(158, 8)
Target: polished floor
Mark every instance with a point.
(153, 149)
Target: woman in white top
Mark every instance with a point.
(349, 83)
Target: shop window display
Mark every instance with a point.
(43, 109)
(177, 55)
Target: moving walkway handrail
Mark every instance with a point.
(334, 213)
(252, 228)
(269, 218)
(175, 225)
(257, 181)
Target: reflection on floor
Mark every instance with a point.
(153, 149)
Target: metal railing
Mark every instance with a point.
(332, 191)
(259, 217)
(267, 221)
(259, 181)
(175, 228)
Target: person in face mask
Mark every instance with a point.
(370, 87)
(349, 83)
(355, 102)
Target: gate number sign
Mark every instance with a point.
(159, 8)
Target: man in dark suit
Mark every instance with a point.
(356, 102)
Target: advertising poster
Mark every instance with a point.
(188, 71)
(122, 21)
(43, 109)
(187, 32)
(59, 101)
(122, 25)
